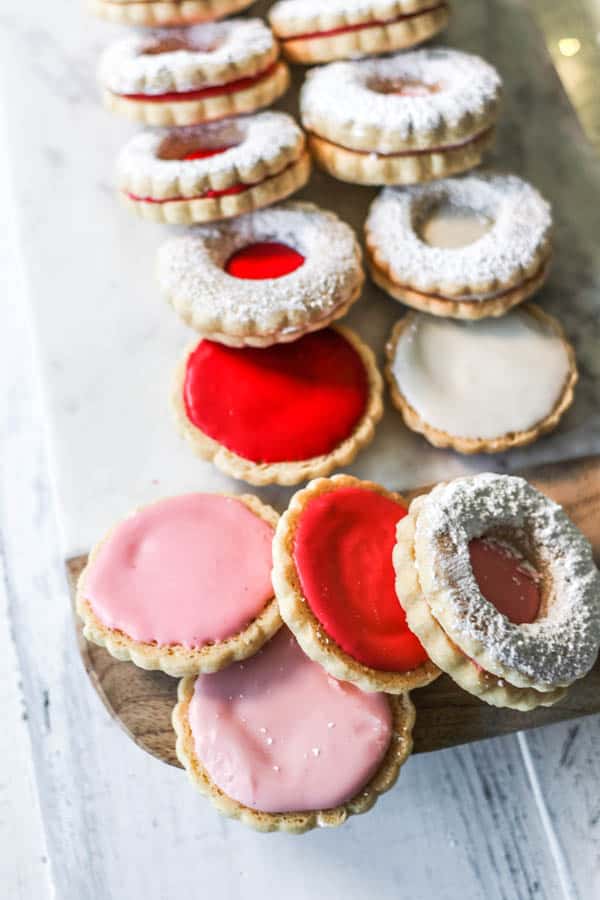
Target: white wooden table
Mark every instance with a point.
(85, 815)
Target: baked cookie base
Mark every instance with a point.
(442, 650)
(468, 446)
(403, 713)
(212, 209)
(408, 167)
(370, 40)
(285, 473)
(205, 109)
(177, 660)
(448, 307)
(165, 13)
(299, 617)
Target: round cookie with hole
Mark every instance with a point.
(187, 76)
(278, 744)
(501, 588)
(334, 582)
(165, 13)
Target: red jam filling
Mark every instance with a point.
(504, 580)
(265, 259)
(275, 404)
(343, 554)
(206, 152)
(215, 90)
(346, 29)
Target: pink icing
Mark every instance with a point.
(278, 734)
(189, 570)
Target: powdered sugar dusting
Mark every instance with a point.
(191, 271)
(218, 52)
(563, 644)
(305, 12)
(522, 225)
(466, 87)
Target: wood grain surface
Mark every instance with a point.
(446, 716)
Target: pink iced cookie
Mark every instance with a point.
(276, 740)
(184, 584)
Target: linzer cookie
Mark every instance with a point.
(501, 589)
(208, 172)
(193, 75)
(183, 585)
(334, 582)
(311, 31)
(279, 414)
(463, 247)
(485, 386)
(265, 278)
(165, 13)
(403, 119)
(281, 746)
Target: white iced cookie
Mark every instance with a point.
(264, 278)
(465, 247)
(485, 386)
(311, 31)
(186, 76)
(501, 588)
(214, 171)
(165, 13)
(403, 119)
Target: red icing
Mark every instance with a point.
(504, 581)
(215, 90)
(281, 403)
(204, 153)
(266, 259)
(343, 553)
(345, 29)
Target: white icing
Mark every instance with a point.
(481, 379)
(266, 139)
(340, 94)
(562, 644)
(298, 15)
(226, 51)
(190, 270)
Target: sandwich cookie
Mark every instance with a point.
(334, 582)
(204, 173)
(485, 386)
(280, 745)
(464, 248)
(165, 13)
(265, 278)
(501, 589)
(313, 32)
(193, 75)
(279, 414)
(183, 585)
(403, 119)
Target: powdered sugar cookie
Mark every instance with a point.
(214, 171)
(165, 13)
(193, 75)
(265, 278)
(462, 247)
(183, 585)
(278, 744)
(279, 414)
(400, 120)
(501, 588)
(485, 386)
(334, 582)
(312, 32)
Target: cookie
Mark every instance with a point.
(280, 414)
(219, 170)
(278, 744)
(187, 76)
(165, 13)
(402, 119)
(484, 386)
(465, 247)
(183, 585)
(265, 278)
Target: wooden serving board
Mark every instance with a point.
(142, 701)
